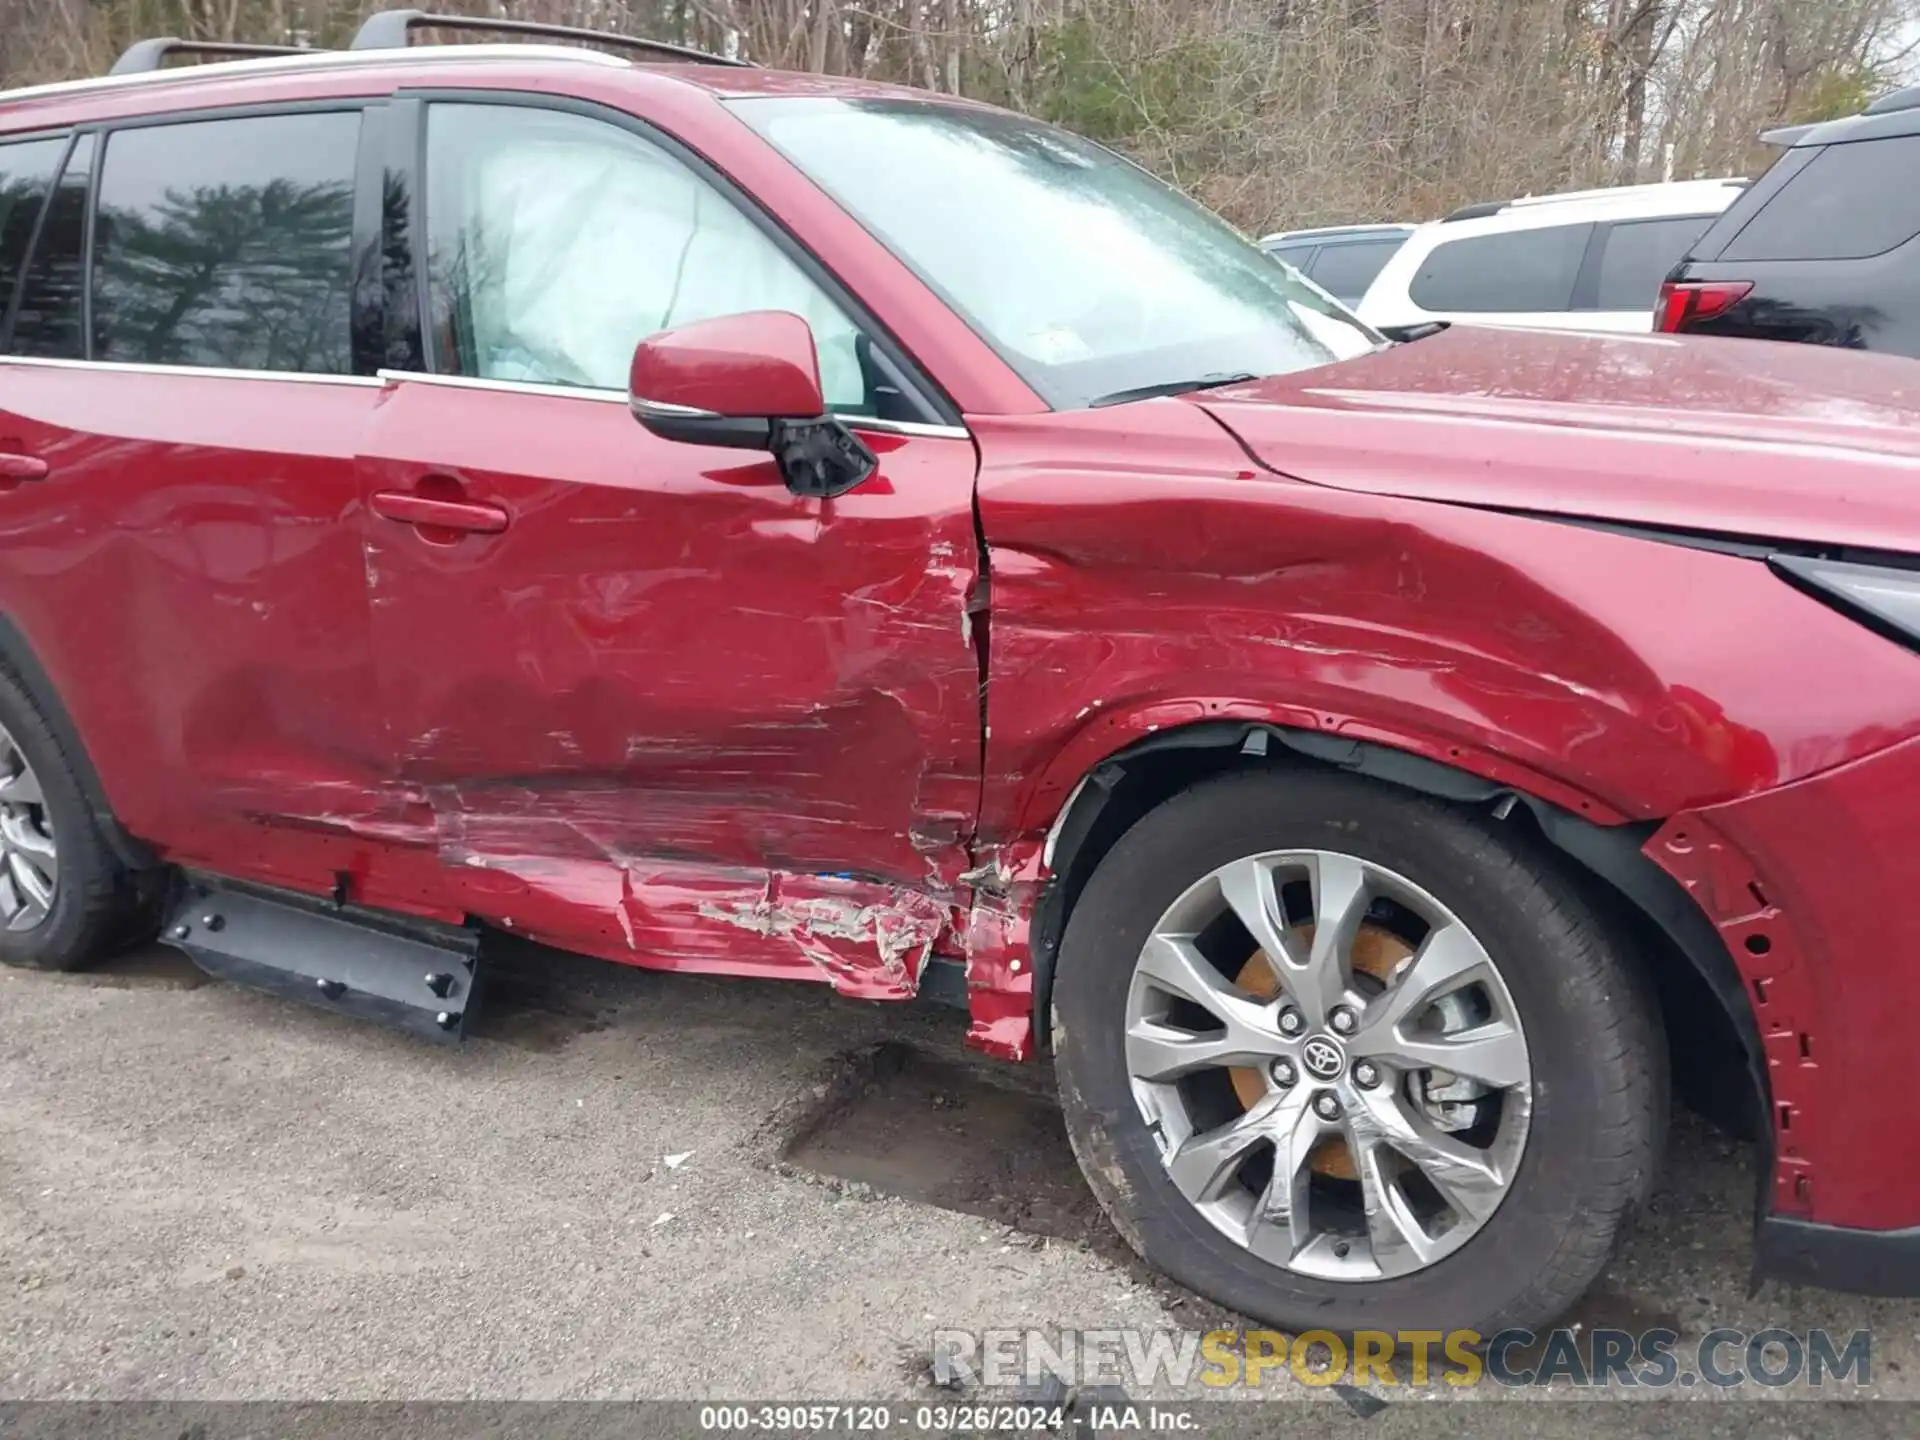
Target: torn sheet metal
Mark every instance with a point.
(865, 938)
(996, 942)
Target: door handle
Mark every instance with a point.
(424, 510)
(22, 467)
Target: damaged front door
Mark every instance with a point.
(647, 703)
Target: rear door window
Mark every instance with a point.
(1849, 202)
(1515, 271)
(27, 168)
(1636, 256)
(228, 243)
(49, 323)
(1345, 271)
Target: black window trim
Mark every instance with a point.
(916, 384)
(80, 135)
(408, 310)
(96, 167)
(1586, 284)
(102, 132)
(1750, 202)
(366, 301)
(11, 308)
(1585, 297)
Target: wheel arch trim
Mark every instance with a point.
(18, 657)
(1159, 722)
(1613, 855)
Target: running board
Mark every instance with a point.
(414, 975)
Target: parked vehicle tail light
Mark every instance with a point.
(1883, 599)
(1686, 302)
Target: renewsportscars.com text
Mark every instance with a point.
(1218, 1359)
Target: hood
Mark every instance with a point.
(1740, 437)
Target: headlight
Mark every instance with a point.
(1878, 597)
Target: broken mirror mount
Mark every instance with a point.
(820, 458)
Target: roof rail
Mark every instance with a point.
(144, 55)
(1606, 192)
(1906, 99)
(1319, 232)
(390, 29)
(1477, 211)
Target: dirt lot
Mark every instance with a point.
(631, 1185)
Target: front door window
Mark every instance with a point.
(558, 243)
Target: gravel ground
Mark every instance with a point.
(207, 1194)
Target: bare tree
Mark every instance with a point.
(1277, 112)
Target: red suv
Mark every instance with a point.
(1370, 770)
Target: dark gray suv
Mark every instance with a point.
(1823, 249)
(1341, 259)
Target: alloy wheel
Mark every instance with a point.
(29, 859)
(1331, 1064)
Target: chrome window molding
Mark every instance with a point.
(458, 382)
(905, 427)
(509, 387)
(620, 397)
(205, 372)
(667, 410)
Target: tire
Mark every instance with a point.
(96, 902)
(1592, 1106)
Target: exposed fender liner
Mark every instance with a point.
(943, 981)
(17, 655)
(1610, 853)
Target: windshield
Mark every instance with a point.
(1093, 280)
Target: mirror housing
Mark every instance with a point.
(748, 382)
(758, 366)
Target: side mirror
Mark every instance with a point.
(748, 382)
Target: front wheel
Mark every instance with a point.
(1341, 1057)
